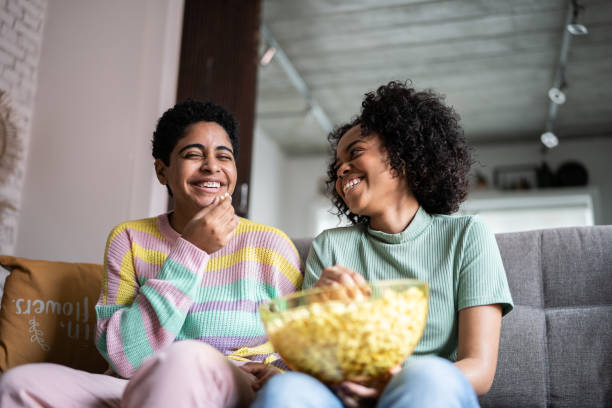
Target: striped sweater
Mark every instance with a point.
(159, 288)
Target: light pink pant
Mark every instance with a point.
(185, 374)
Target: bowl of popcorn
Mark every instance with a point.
(348, 333)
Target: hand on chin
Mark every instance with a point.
(212, 227)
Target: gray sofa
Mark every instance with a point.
(556, 345)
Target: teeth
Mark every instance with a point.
(211, 184)
(350, 184)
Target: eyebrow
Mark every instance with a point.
(347, 148)
(202, 147)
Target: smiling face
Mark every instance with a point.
(202, 167)
(366, 183)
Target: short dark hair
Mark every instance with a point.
(174, 122)
(423, 140)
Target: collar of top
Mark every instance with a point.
(418, 224)
(163, 223)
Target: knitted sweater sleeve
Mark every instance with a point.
(143, 306)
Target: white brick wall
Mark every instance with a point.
(21, 28)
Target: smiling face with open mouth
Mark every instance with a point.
(366, 182)
(202, 166)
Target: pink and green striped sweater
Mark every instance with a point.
(159, 288)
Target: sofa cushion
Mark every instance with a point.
(579, 345)
(522, 259)
(48, 314)
(564, 274)
(521, 377)
(577, 266)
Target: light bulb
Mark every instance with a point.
(556, 95)
(268, 55)
(549, 139)
(577, 29)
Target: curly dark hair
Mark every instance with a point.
(174, 122)
(423, 140)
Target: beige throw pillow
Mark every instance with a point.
(48, 314)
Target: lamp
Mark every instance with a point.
(267, 56)
(577, 29)
(556, 95)
(574, 27)
(549, 139)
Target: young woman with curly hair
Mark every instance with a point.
(399, 169)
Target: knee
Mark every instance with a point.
(18, 383)
(284, 386)
(189, 357)
(18, 378)
(182, 364)
(291, 388)
(432, 370)
(289, 382)
(429, 375)
(433, 362)
(11, 380)
(188, 354)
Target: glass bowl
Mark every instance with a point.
(341, 333)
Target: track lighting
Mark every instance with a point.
(555, 93)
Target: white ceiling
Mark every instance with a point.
(493, 59)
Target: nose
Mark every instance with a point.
(209, 164)
(343, 169)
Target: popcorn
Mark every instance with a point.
(348, 334)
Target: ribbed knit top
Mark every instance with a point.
(159, 288)
(456, 255)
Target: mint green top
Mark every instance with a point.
(456, 255)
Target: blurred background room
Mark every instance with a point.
(83, 82)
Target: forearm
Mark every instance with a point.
(126, 334)
(134, 321)
(477, 373)
(478, 345)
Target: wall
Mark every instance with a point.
(268, 164)
(21, 27)
(594, 154)
(302, 176)
(107, 72)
